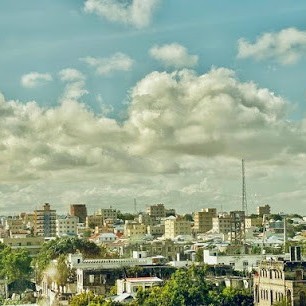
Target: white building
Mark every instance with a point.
(66, 226)
(132, 285)
(239, 262)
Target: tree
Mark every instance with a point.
(15, 264)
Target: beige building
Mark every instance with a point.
(156, 211)
(281, 280)
(222, 224)
(257, 222)
(107, 213)
(175, 226)
(134, 230)
(203, 219)
(156, 230)
(44, 221)
(94, 220)
(67, 226)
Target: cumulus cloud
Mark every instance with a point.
(173, 55)
(183, 140)
(286, 46)
(34, 79)
(137, 13)
(117, 62)
(75, 87)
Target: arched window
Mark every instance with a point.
(289, 300)
(302, 298)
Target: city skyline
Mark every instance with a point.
(103, 101)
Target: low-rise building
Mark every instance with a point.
(131, 285)
(281, 280)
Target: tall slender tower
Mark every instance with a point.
(244, 198)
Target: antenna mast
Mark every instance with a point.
(244, 198)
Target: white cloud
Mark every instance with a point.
(174, 55)
(34, 79)
(286, 46)
(117, 62)
(182, 141)
(70, 75)
(75, 87)
(137, 13)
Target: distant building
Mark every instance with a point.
(107, 213)
(156, 211)
(175, 226)
(132, 285)
(134, 230)
(203, 220)
(45, 221)
(263, 210)
(94, 220)
(281, 280)
(79, 210)
(66, 226)
(221, 224)
(257, 222)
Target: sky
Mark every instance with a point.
(107, 101)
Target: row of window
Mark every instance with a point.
(272, 274)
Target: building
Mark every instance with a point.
(175, 226)
(131, 285)
(107, 213)
(134, 230)
(263, 210)
(94, 220)
(79, 210)
(281, 280)
(203, 220)
(31, 244)
(66, 226)
(221, 224)
(156, 230)
(156, 211)
(250, 222)
(45, 221)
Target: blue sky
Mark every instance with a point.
(115, 59)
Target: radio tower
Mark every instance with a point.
(244, 198)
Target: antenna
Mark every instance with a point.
(244, 198)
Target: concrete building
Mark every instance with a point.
(94, 220)
(79, 210)
(281, 280)
(31, 244)
(257, 222)
(107, 213)
(44, 221)
(156, 230)
(67, 226)
(131, 285)
(203, 220)
(175, 226)
(134, 230)
(156, 211)
(263, 210)
(221, 224)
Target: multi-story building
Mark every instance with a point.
(156, 211)
(257, 222)
(280, 280)
(134, 230)
(45, 221)
(175, 226)
(94, 220)
(222, 224)
(66, 226)
(156, 230)
(203, 219)
(79, 210)
(107, 213)
(263, 210)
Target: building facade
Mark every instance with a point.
(203, 220)
(175, 226)
(66, 226)
(156, 211)
(79, 210)
(45, 221)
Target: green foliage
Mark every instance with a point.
(63, 246)
(90, 299)
(14, 264)
(188, 287)
(125, 216)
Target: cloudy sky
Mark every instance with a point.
(104, 101)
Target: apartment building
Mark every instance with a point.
(134, 230)
(221, 224)
(175, 226)
(80, 211)
(203, 219)
(156, 211)
(45, 221)
(107, 213)
(66, 226)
